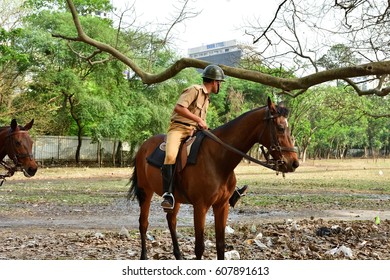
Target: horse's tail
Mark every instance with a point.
(134, 191)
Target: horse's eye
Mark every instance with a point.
(18, 143)
(281, 128)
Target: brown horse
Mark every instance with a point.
(211, 181)
(16, 143)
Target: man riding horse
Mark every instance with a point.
(189, 114)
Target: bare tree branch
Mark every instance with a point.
(272, 21)
(90, 57)
(377, 116)
(379, 91)
(287, 85)
(182, 15)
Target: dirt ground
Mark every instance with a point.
(109, 232)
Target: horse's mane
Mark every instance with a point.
(233, 121)
(8, 127)
(281, 109)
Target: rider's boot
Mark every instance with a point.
(237, 195)
(167, 176)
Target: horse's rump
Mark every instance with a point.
(140, 180)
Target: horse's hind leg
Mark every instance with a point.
(144, 223)
(172, 221)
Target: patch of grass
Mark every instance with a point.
(71, 192)
(321, 184)
(328, 184)
(314, 201)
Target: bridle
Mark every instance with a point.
(275, 145)
(10, 147)
(16, 156)
(269, 162)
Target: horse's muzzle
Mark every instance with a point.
(29, 172)
(287, 166)
(295, 165)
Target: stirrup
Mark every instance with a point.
(168, 196)
(237, 194)
(242, 191)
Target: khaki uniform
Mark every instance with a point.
(196, 99)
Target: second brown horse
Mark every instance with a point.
(16, 143)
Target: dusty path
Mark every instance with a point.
(93, 231)
(82, 235)
(124, 214)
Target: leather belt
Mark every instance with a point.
(183, 123)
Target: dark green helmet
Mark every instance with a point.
(213, 72)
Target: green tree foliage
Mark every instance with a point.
(13, 65)
(71, 96)
(85, 7)
(331, 120)
(338, 56)
(69, 93)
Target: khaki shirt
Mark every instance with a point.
(196, 99)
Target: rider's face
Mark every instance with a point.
(216, 86)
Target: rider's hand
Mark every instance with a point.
(202, 125)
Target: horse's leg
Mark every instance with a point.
(199, 224)
(220, 218)
(144, 223)
(172, 221)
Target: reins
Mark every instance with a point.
(244, 155)
(10, 173)
(269, 163)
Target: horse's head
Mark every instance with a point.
(278, 142)
(18, 145)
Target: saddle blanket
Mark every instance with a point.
(190, 147)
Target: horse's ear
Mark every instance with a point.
(271, 105)
(14, 124)
(29, 125)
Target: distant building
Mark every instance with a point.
(228, 53)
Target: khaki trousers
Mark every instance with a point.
(176, 134)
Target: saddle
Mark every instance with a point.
(188, 152)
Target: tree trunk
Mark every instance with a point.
(79, 126)
(118, 154)
(304, 153)
(99, 155)
(79, 143)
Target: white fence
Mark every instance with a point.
(57, 149)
